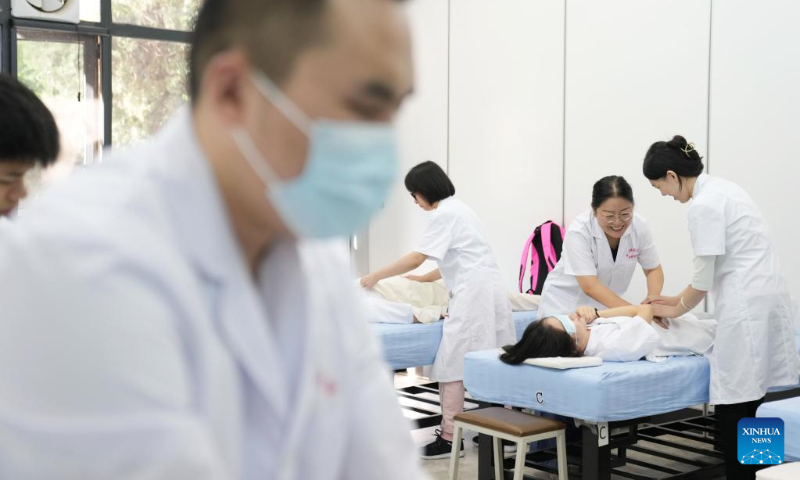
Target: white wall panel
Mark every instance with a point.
(506, 117)
(755, 112)
(422, 129)
(637, 72)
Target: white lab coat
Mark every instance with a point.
(621, 339)
(480, 315)
(627, 339)
(755, 344)
(586, 251)
(135, 344)
(686, 335)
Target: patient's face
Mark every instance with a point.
(555, 324)
(581, 328)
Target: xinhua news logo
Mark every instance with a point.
(760, 441)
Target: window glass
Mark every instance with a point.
(168, 14)
(90, 10)
(149, 84)
(63, 71)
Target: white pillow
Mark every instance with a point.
(563, 363)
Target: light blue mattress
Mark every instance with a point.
(610, 392)
(789, 411)
(415, 345)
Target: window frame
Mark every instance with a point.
(105, 31)
(90, 45)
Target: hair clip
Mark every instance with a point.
(688, 149)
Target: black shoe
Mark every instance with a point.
(508, 447)
(440, 448)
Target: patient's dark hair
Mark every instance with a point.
(429, 180)
(540, 340)
(676, 155)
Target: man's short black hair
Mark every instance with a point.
(272, 32)
(429, 180)
(28, 131)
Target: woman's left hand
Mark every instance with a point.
(369, 281)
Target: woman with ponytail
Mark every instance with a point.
(735, 260)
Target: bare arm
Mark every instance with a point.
(689, 298)
(655, 281)
(692, 295)
(590, 314)
(405, 264)
(643, 311)
(431, 276)
(592, 287)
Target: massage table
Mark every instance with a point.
(635, 398)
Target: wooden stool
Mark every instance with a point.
(517, 427)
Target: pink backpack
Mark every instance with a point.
(544, 247)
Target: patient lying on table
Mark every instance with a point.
(621, 334)
(401, 300)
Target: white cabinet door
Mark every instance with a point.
(637, 72)
(506, 117)
(755, 113)
(422, 128)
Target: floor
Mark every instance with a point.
(468, 466)
(439, 469)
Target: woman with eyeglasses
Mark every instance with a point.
(601, 250)
(735, 260)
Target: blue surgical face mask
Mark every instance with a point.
(568, 325)
(349, 170)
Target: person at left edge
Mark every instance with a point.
(185, 310)
(28, 138)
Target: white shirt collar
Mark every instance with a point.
(698, 184)
(196, 205)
